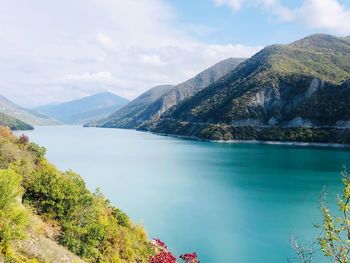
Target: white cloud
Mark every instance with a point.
(105, 40)
(234, 4)
(317, 14)
(327, 14)
(153, 60)
(99, 76)
(62, 50)
(282, 13)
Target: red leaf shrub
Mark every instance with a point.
(163, 257)
(23, 139)
(190, 258)
(160, 243)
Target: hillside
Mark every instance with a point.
(86, 109)
(32, 117)
(47, 215)
(12, 123)
(125, 116)
(300, 84)
(172, 96)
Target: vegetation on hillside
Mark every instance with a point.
(295, 92)
(12, 123)
(141, 110)
(37, 199)
(250, 133)
(326, 107)
(84, 222)
(32, 117)
(270, 83)
(334, 237)
(13, 218)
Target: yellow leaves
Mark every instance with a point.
(5, 132)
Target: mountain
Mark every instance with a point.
(153, 108)
(86, 109)
(12, 123)
(32, 117)
(125, 117)
(302, 84)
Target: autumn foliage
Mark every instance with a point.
(23, 139)
(164, 256)
(190, 258)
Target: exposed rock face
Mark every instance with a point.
(46, 250)
(272, 84)
(315, 85)
(273, 104)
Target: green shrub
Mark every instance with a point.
(13, 217)
(39, 152)
(88, 225)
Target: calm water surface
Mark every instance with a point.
(231, 203)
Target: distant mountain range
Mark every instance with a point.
(12, 123)
(153, 103)
(86, 109)
(127, 116)
(294, 92)
(32, 117)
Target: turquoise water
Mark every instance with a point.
(231, 203)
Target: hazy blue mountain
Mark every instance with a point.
(32, 117)
(86, 109)
(126, 116)
(154, 108)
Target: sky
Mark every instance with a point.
(59, 50)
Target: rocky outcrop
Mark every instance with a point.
(46, 250)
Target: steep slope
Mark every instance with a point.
(282, 85)
(12, 123)
(125, 116)
(85, 109)
(32, 117)
(47, 215)
(176, 94)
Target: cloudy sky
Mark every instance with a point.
(58, 50)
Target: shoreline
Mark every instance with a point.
(288, 143)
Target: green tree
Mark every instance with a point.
(38, 151)
(335, 240)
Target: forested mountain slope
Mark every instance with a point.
(304, 83)
(172, 96)
(32, 117)
(12, 123)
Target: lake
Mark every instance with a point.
(231, 203)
